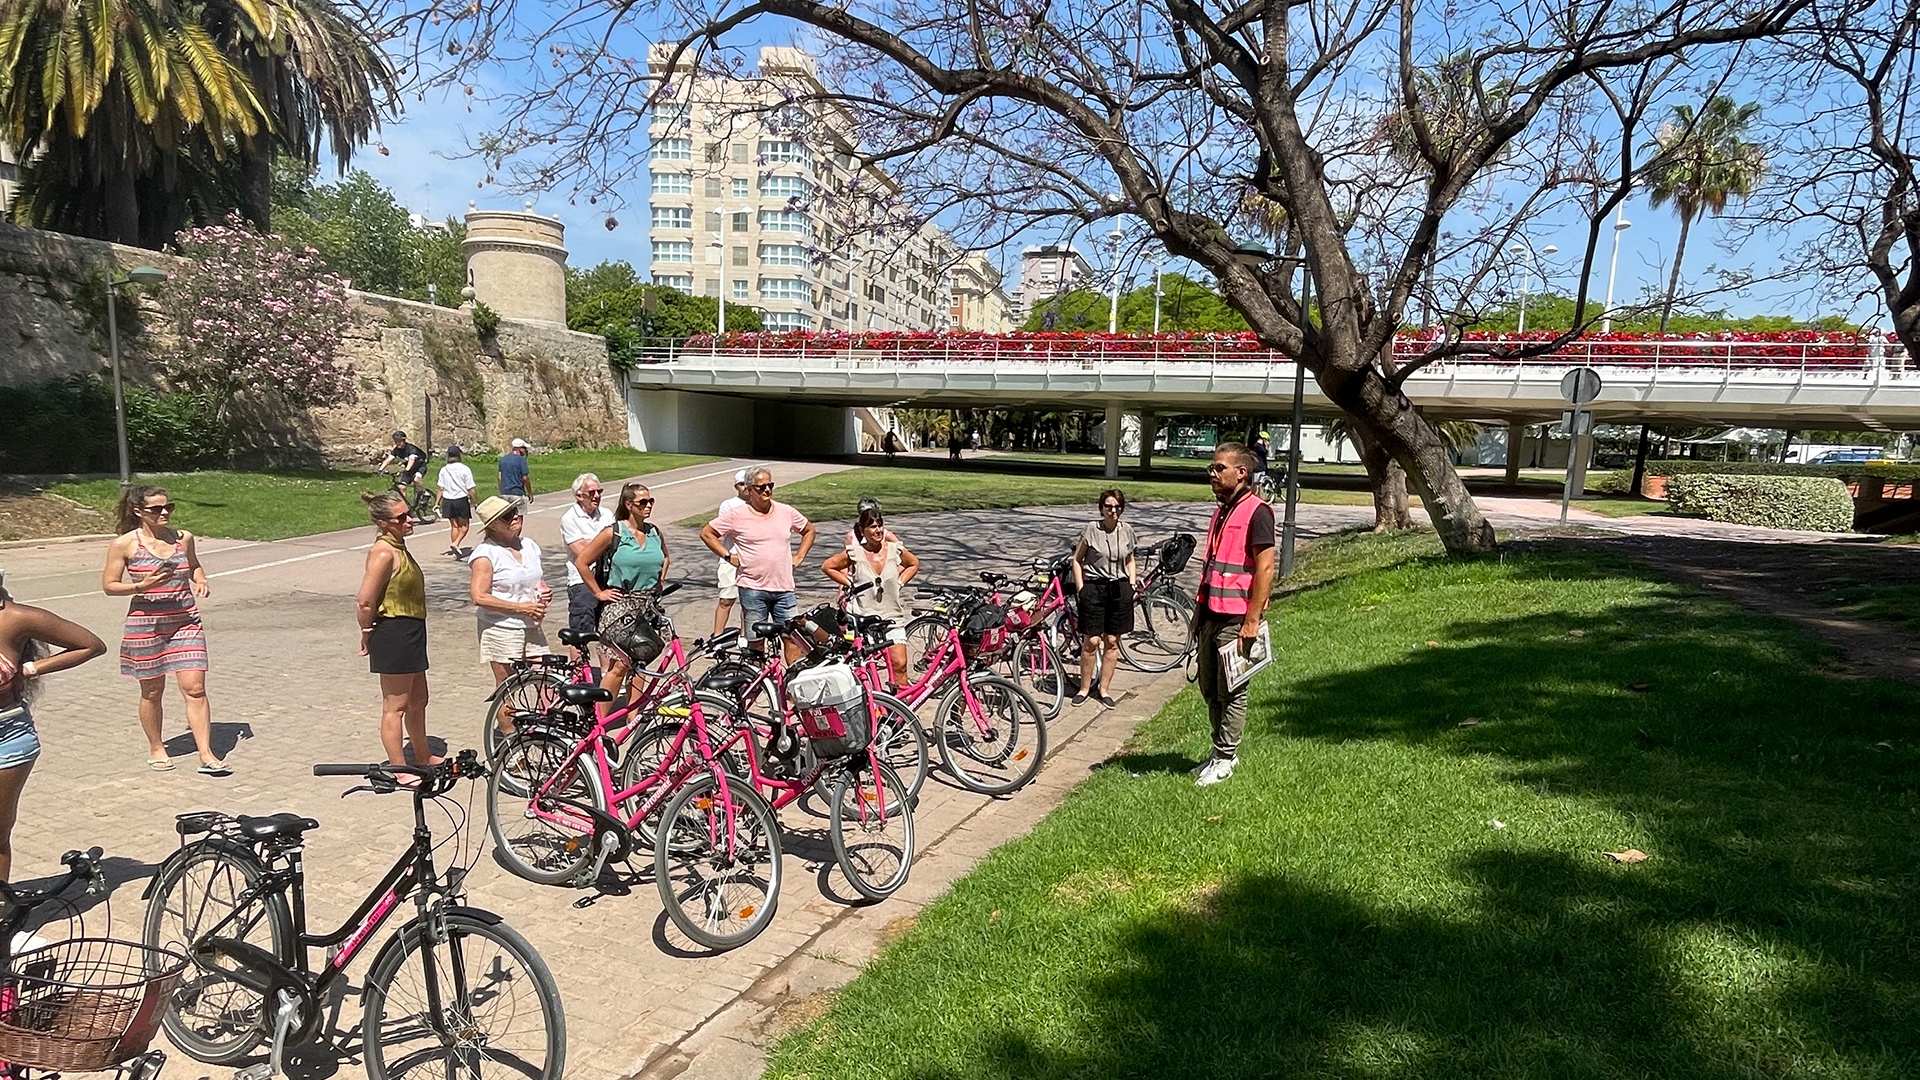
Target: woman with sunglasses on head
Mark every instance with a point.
(1105, 574)
(635, 562)
(392, 607)
(158, 567)
(23, 630)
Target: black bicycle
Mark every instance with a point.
(419, 500)
(83, 1004)
(455, 989)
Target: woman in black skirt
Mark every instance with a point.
(1105, 574)
(393, 629)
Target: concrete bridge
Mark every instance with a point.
(762, 394)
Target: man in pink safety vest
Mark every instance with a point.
(1235, 581)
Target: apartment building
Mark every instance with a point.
(1046, 272)
(757, 195)
(979, 301)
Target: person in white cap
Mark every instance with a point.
(729, 588)
(516, 480)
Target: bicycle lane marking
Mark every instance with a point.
(224, 573)
(662, 484)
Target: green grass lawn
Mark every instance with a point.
(1405, 878)
(275, 505)
(1890, 602)
(1618, 506)
(834, 496)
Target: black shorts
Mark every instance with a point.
(397, 646)
(408, 479)
(1106, 607)
(456, 509)
(583, 609)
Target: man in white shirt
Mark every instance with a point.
(729, 589)
(455, 484)
(579, 525)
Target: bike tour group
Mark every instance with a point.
(622, 751)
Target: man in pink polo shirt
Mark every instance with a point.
(761, 532)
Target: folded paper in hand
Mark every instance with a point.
(1237, 667)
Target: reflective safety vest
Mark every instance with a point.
(1227, 576)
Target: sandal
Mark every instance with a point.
(215, 768)
(159, 764)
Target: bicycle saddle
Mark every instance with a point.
(767, 629)
(275, 826)
(577, 638)
(584, 693)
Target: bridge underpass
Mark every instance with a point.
(787, 395)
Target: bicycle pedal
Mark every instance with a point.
(262, 1071)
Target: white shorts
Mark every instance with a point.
(728, 575)
(505, 644)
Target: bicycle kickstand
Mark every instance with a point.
(286, 1018)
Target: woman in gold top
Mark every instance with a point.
(393, 629)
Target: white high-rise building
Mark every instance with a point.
(756, 193)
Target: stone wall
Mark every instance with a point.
(538, 382)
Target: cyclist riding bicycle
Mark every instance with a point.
(409, 462)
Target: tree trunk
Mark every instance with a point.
(121, 219)
(1640, 461)
(1673, 276)
(1379, 413)
(1389, 482)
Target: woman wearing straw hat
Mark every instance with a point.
(508, 588)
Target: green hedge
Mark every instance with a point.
(1817, 503)
(66, 426)
(1886, 470)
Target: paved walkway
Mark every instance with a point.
(288, 691)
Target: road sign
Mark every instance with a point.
(1581, 385)
(1576, 422)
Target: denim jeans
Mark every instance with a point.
(759, 605)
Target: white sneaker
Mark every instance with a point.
(1214, 771)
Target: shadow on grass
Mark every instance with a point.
(1771, 934)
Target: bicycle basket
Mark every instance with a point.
(832, 708)
(1062, 568)
(633, 626)
(983, 633)
(1175, 552)
(84, 1005)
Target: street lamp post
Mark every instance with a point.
(1620, 225)
(139, 275)
(720, 254)
(1526, 276)
(1157, 294)
(1113, 307)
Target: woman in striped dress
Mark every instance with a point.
(157, 566)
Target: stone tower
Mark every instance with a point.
(517, 264)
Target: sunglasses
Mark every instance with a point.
(642, 502)
(1216, 467)
(397, 518)
(163, 508)
(594, 494)
(1115, 507)
(760, 487)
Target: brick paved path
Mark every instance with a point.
(288, 691)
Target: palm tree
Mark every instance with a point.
(137, 117)
(1703, 160)
(103, 95)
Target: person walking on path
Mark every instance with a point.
(1235, 582)
(729, 586)
(516, 478)
(392, 610)
(761, 531)
(508, 589)
(636, 560)
(1105, 574)
(158, 567)
(878, 564)
(587, 518)
(455, 503)
(22, 630)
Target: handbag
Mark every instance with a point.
(633, 625)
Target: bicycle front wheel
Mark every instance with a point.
(1162, 634)
(718, 873)
(498, 1011)
(992, 740)
(1036, 667)
(900, 741)
(924, 635)
(872, 827)
(534, 690)
(208, 1015)
(534, 797)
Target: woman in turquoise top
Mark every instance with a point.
(636, 560)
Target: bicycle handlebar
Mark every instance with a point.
(435, 779)
(19, 902)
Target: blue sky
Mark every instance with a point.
(427, 169)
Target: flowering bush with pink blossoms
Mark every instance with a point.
(256, 315)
